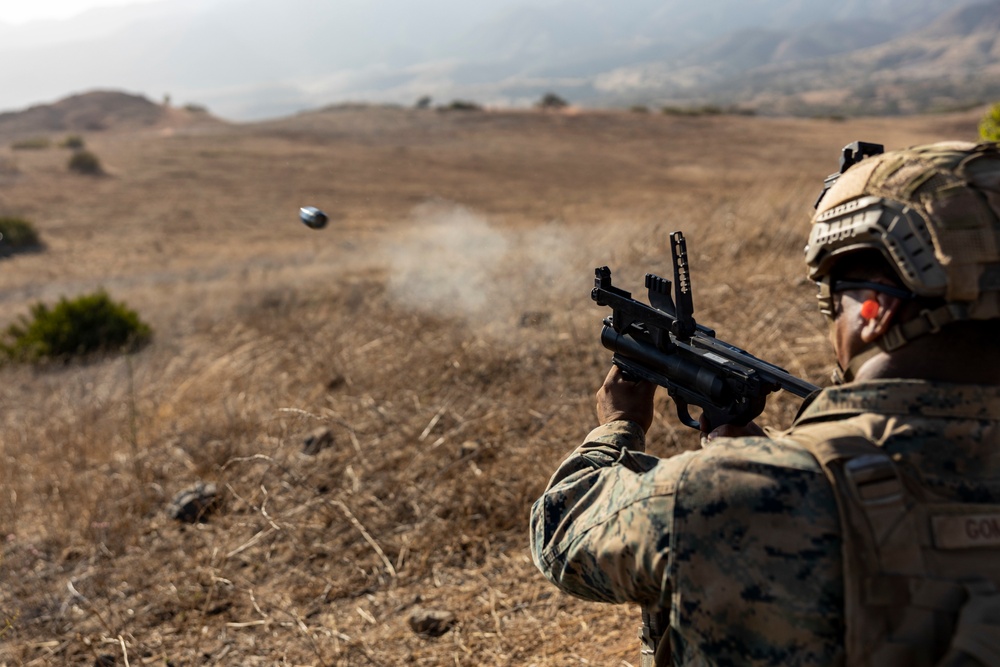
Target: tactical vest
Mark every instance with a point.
(921, 573)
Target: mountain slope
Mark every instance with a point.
(952, 62)
(832, 68)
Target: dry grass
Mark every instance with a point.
(441, 328)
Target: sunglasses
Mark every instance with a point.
(844, 285)
(827, 288)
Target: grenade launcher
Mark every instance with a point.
(662, 343)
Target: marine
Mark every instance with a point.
(868, 532)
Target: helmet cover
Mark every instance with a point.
(932, 211)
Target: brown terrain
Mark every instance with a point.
(439, 335)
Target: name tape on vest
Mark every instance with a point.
(956, 531)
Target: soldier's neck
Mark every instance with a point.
(930, 359)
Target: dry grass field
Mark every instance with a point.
(440, 328)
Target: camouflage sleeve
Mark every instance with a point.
(601, 530)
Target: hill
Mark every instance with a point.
(95, 112)
(379, 403)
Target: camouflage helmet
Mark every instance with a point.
(934, 213)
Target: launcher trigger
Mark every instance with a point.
(684, 415)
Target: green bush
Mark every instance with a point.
(551, 101)
(86, 325)
(74, 141)
(463, 105)
(679, 111)
(85, 162)
(989, 128)
(17, 234)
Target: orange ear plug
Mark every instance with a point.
(869, 309)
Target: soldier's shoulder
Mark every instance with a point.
(752, 477)
(758, 484)
(778, 452)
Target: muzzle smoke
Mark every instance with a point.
(453, 262)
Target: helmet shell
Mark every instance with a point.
(932, 211)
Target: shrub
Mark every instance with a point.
(17, 234)
(704, 110)
(85, 162)
(34, 143)
(74, 141)
(82, 326)
(192, 107)
(639, 108)
(989, 128)
(679, 111)
(463, 105)
(551, 101)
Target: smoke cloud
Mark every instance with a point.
(454, 262)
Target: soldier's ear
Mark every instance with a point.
(878, 318)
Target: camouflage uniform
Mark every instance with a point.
(741, 540)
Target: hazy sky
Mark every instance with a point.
(20, 11)
(251, 59)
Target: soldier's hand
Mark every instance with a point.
(619, 398)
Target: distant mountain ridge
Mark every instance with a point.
(954, 61)
(832, 68)
(255, 58)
